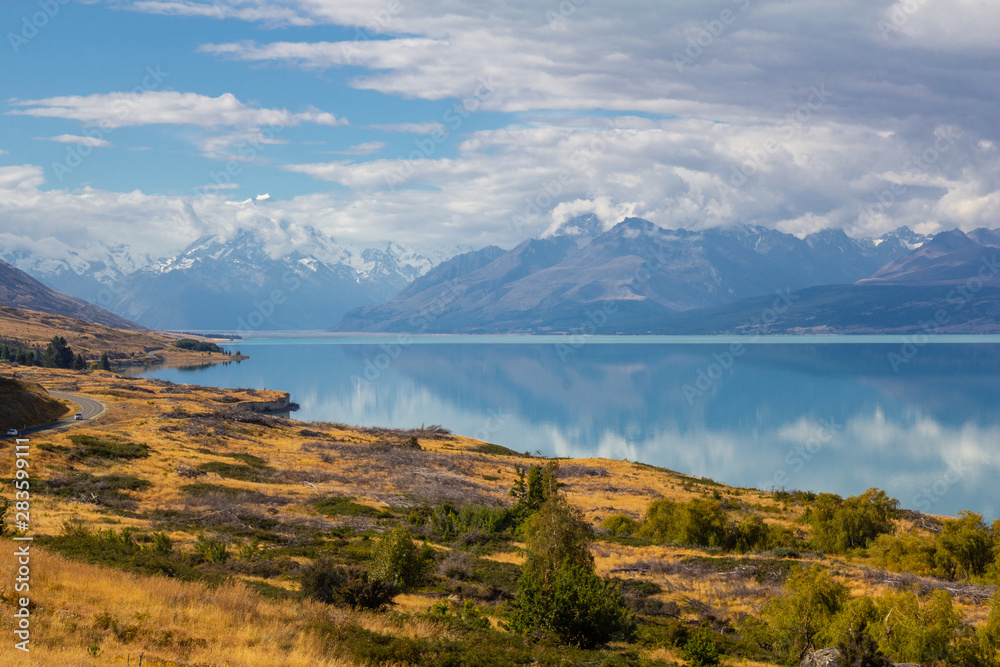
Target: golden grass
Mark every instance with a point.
(311, 461)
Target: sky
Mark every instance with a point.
(466, 122)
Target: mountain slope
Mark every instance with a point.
(636, 269)
(19, 290)
(249, 282)
(949, 258)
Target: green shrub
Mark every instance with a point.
(703, 522)
(620, 525)
(240, 471)
(330, 583)
(801, 620)
(700, 650)
(841, 525)
(212, 550)
(859, 649)
(572, 604)
(397, 560)
(913, 630)
(93, 446)
(965, 546)
(344, 506)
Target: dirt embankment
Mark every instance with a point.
(26, 404)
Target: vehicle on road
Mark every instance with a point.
(78, 416)
(12, 432)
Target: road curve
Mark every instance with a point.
(88, 406)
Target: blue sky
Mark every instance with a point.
(152, 122)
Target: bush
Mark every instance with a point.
(397, 560)
(91, 445)
(212, 550)
(965, 546)
(574, 605)
(336, 584)
(703, 522)
(841, 525)
(800, 620)
(620, 525)
(700, 650)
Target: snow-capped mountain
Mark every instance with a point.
(271, 278)
(85, 272)
(636, 269)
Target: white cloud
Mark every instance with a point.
(366, 148)
(412, 128)
(153, 107)
(93, 142)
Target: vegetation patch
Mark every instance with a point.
(92, 446)
(239, 471)
(104, 490)
(197, 345)
(345, 506)
(496, 450)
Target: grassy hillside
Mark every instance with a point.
(32, 328)
(23, 404)
(179, 527)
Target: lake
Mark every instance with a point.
(919, 419)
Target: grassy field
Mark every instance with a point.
(187, 464)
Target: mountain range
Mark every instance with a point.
(632, 278)
(296, 278)
(584, 277)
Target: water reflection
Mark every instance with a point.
(813, 416)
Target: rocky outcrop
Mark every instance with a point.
(827, 657)
(830, 657)
(282, 404)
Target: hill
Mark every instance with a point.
(23, 404)
(123, 346)
(19, 290)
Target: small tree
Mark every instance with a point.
(396, 559)
(105, 364)
(794, 624)
(558, 592)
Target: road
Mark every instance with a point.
(88, 406)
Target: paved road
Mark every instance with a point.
(88, 406)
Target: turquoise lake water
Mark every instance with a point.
(919, 418)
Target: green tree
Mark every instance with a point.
(58, 353)
(801, 620)
(559, 593)
(105, 364)
(965, 546)
(841, 525)
(556, 534)
(533, 486)
(396, 559)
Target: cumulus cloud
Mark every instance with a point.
(858, 114)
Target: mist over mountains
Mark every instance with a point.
(635, 277)
(580, 277)
(247, 281)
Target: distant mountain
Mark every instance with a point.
(229, 283)
(636, 269)
(248, 283)
(950, 257)
(19, 290)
